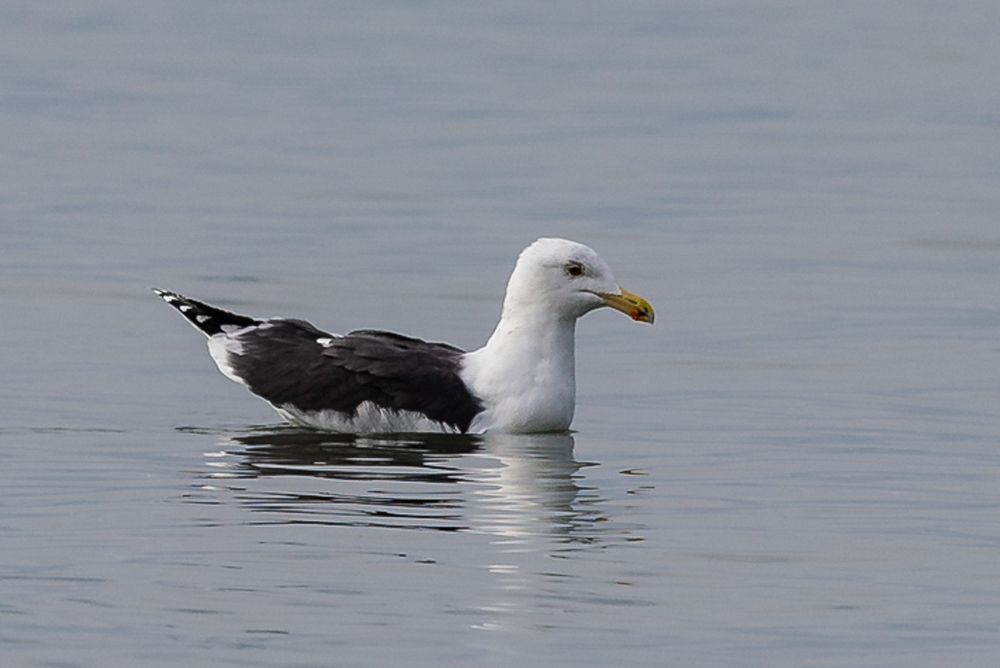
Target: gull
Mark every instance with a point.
(522, 380)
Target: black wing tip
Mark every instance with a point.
(174, 298)
(206, 318)
(178, 300)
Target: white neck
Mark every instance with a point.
(525, 374)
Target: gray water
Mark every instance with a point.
(797, 466)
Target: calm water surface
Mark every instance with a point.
(798, 466)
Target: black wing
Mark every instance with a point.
(292, 363)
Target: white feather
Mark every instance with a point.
(368, 419)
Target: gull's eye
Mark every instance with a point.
(574, 269)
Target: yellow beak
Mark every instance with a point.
(630, 304)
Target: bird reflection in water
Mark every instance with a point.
(514, 486)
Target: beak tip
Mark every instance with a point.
(631, 305)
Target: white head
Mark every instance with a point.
(525, 372)
(565, 280)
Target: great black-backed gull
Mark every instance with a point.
(521, 381)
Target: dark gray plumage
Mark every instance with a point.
(294, 365)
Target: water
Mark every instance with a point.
(797, 466)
